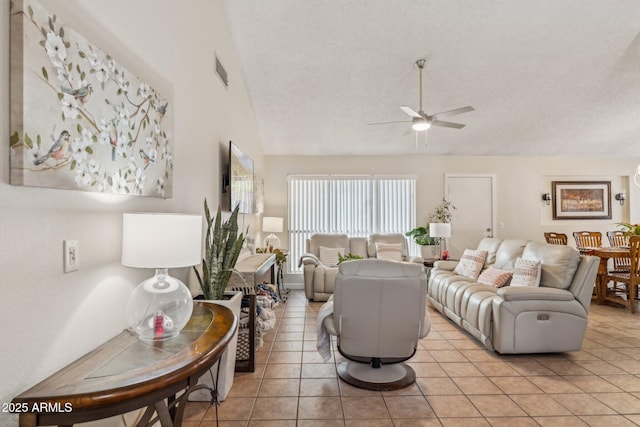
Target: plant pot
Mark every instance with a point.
(429, 252)
(228, 359)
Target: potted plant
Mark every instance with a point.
(441, 213)
(630, 229)
(223, 245)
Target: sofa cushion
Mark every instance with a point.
(327, 240)
(495, 277)
(559, 263)
(329, 256)
(491, 245)
(386, 238)
(508, 252)
(526, 273)
(390, 251)
(358, 246)
(471, 263)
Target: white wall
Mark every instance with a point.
(520, 184)
(50, 318)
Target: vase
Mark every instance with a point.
(227, 360)
(429, 252)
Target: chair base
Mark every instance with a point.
(385, 378)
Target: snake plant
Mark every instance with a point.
(223, 244)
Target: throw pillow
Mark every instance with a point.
(471, 263)
(390, 251)
(495, 277)
(526, 273)
(329, 256)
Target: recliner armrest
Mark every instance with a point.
(445, 265)
(309, 259)
(526, 293)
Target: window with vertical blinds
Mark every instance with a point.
(353, 205)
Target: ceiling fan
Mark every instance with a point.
(421, 121)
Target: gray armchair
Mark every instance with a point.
(319, 277)
(379, 315)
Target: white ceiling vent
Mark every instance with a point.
(221, 72)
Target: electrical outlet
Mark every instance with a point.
(71, 252)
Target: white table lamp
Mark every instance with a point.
(272, 225)
(441, 231)
(161, 306)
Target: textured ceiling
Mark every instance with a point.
(546, 77)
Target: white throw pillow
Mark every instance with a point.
(526, 273)
(329, 256)
(390, 251)
(471, 263)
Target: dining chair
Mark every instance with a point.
(618, 239)
(629, 279)
(555, 238)
(585, 240)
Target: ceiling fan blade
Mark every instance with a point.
(447, 124)
(454, 112)
(387, 123)
(408, 111)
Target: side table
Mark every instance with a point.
(125, 374)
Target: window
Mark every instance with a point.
(353, 205)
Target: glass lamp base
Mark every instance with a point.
(272, 240)
(159, 307)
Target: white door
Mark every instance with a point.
(473, 218)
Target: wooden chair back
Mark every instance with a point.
(555, 238)
(629, 279)
(634, 272)
(616, 239)
(587, 239)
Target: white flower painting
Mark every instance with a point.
(79, 119)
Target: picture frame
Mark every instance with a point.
(581, 200)
(79, 119)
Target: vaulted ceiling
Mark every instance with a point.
(546, 77)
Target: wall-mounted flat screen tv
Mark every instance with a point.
(240, 179)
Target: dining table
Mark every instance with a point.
(606, 253)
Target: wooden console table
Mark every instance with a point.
(125, 374)
(252, 268)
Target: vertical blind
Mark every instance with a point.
(352, 205)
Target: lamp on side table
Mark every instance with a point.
(441, 231)
(272, 225)
(159, 307)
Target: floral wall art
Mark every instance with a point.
(79, 119)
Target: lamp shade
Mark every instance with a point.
(439, 229)
(160, 306)
(159, 240)
(272, 224)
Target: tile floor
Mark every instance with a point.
(459, 383)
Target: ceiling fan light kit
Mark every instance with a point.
(421, 121)
(420, 124)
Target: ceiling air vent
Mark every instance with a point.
(221, 72)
